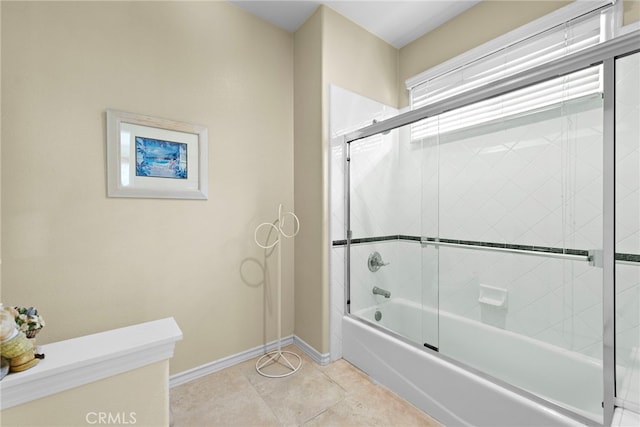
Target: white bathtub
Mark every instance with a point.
(456, 396)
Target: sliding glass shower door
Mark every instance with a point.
(385, 253)
(512, 212)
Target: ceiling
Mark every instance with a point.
(397, 22)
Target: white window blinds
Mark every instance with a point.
(539, 49)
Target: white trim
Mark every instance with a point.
(226, 362)
(79, 361)
(541, 24)
(321, 359)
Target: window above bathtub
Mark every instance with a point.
(566, 31)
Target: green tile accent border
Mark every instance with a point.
(544, 249)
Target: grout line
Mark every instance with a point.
(253, 386)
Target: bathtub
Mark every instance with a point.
(459, 396)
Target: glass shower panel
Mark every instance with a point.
(628, 230)
(385, 268)
(519, 210)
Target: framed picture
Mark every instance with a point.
(156, 158)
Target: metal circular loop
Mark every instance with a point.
(255, 235)
(281, 224)
(274, 359)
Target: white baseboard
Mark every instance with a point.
(217, 365)
(320, 358)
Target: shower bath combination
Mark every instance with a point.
(492, 298)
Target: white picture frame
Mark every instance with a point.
(149, 157)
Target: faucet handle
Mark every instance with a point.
(375, 262)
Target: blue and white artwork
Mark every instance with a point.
(161, 159)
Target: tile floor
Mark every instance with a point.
(334, 395)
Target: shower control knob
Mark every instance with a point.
(375, 262)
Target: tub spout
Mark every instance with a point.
(380, 291)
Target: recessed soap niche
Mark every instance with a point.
(494, 303)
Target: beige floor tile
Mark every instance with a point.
(349, 412)
(338, 394)
(221, 399)
(393, 409)
(368, 403)
(346, 375)
(354, 413)
(301, 396)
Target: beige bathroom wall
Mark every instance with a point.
(91, 263)
(311, 303)
(357, 60)
(477, 25)
(139, 397)
(631, 12)
(329, 50)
